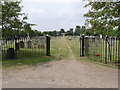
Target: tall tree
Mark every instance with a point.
(61, 31)
(103, 17)
(71, 31)
(11, 12)
(82, 30)
(77, 30)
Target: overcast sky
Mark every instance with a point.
(55, 14)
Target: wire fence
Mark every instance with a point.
(23, 47)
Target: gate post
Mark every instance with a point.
(106, 39)
(119, 53)
(86, 46)
(47, 45)
(83, 44)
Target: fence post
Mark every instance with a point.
(86, 46)
(106, 49)
(119, 52)
(83, 44)
(47, 45)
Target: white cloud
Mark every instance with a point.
(35, 10)
(53, 16)
(52, 1)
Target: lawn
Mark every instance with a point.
(74, 44)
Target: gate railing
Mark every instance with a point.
(105, 49)
(24, 47)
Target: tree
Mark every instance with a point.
(89, 32)
(61, 31)
(11, 12)
(71, 31)
(77, 30)
(54, 32)
(103, 17)
(38, 33)
(82, 30)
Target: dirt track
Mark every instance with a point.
(69, 73)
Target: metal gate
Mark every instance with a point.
(25, 47)
(102, 49)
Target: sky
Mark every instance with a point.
(50, 15)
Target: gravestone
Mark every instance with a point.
(41, 46)
(25, 40)
(29, 44)
(70, 38)
(3, 42)
(21, 44)
(41, 43)
(28, 38)
(17, 46)
(36, 42)
(10, 53)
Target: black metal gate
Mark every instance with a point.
(104, 49)
(25, 47)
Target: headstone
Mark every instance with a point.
(41, 47)
(10, 53)
(29, 44)
(3, 42)
(28, 38)
(21, 44)
(41, 43)
(25, 40)
(17, 46)
(70, 38)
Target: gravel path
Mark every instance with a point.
(69, 73)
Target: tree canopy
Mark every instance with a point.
(13, 19)
(103, 18)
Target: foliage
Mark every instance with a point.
(61, 31)
(70, 32)
(89, 32)
(11, 21)
(103, 17)
(77, 30)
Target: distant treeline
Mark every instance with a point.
(24, 33)
(77, 31)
